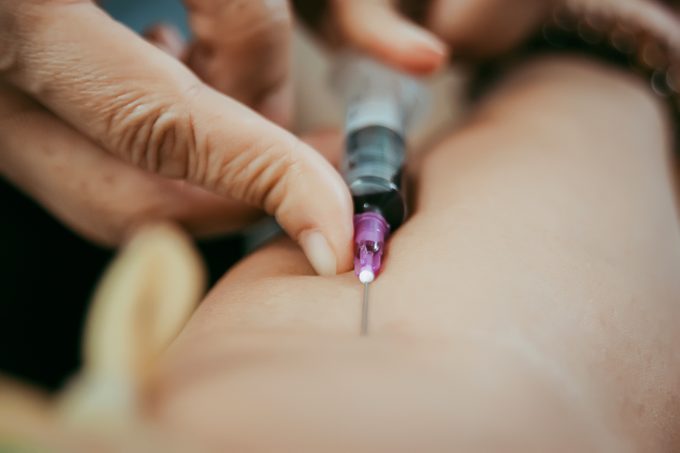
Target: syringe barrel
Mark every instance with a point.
(373, 164)
(381, 104)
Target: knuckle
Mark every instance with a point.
(257, 174)
(152, 133)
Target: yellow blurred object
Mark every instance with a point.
(145, 297)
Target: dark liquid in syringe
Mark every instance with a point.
(373, 164)
(388, 204)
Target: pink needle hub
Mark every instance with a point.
(370, 232)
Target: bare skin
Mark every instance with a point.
(529, 304)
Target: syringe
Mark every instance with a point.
(381, 104)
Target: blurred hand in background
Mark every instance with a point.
(417, 36)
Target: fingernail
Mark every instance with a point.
(319, 253)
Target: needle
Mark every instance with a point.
(364, 312)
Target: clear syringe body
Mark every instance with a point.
(380, 105)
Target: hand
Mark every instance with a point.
(463, 29)
(122, 116)
(242, 48)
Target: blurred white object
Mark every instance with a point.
(376, 95)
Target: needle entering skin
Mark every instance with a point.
(364, 312)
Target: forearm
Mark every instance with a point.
(545, 239)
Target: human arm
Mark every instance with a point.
(529, 302)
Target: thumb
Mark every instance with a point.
(147, 108)
(377, 28)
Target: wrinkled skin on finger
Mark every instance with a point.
(94, 193)
(101, 197)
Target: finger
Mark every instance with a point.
(147, 108)
(377, 28)
(242, 48)
(476, 29)
(94, 193)
(168, 39)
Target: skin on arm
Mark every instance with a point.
(529, 304)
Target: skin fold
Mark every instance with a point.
(529, 304)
